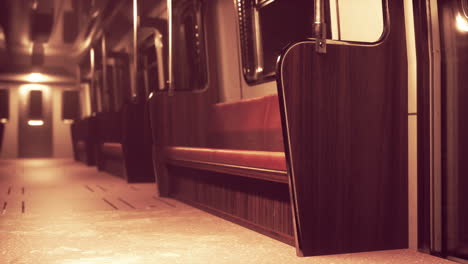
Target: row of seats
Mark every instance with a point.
(240, 174)
(116, 142)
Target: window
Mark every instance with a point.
(150, 72)
(4, 105)
(35, 105)
(357, 20)
(266, 27)
(120, 79)
(189, 51)
(70, 105)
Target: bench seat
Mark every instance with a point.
(239, 172)
(81, 145)
(83, 132)
(265, 165)
(111, 149)
(269, 160)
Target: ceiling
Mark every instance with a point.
(51, 35)
(31, 38)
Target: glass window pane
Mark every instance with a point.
(189, 54)
(267, 27)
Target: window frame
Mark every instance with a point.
(79, 105)
(257, 38)
(202, 15)
(6, 117)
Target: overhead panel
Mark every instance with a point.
(70, 25)
(41, 25)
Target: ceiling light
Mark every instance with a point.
(34, 5)
(36, 77)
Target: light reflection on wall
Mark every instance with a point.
(26, 88)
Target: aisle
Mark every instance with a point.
(62, 212)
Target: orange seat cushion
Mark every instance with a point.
(271, 160)
(112, 149)
(81, 145)
(251, 124)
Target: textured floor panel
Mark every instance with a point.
(69, 218)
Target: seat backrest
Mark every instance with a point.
(252, 124)
(109, 127)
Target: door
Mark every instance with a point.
(453, 211)
(443, 145)
(35, 122)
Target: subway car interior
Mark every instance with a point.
(233, 131)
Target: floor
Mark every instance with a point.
(61, 211)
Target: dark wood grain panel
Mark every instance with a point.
(259, 205)
(183, 118)
(255, 198)
(84, 131)
(345, 121)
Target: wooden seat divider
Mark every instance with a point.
(84, 144)
(110, 154)
(124, 148)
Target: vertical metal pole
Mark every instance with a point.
(259, 64)
(135, 49)
(105, 88)
(320, 28)
(170, 87)
(92, 84)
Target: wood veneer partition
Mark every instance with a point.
(344, 119)
(84, 131)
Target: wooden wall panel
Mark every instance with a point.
(182, 119)
(259, 205)
(345, 121)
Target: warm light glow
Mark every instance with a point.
(3, 120)
(462, 23)
(150, 95)
(35, 77)
(26, 88)
(35, 122)
(68, 121)
(91, 58)
(34, 5)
